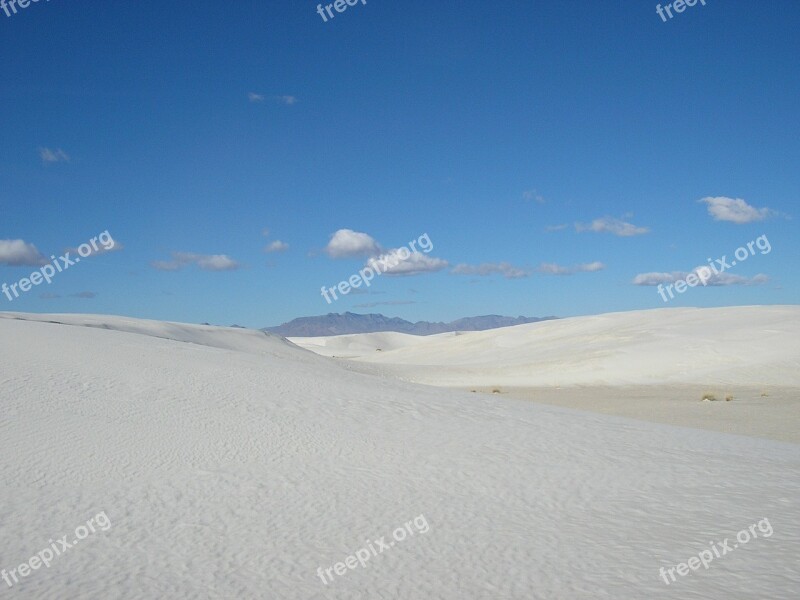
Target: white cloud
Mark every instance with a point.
(51, 156)
(556, 227)
(216, 262)
(18, 253)
(716, 280)
(277, 246)
(101, 249)
(401, 261)
(287, 100)
(554, 269)
(206, 262)
(253, 97)
(591, 267)
(613, 226)
(656, 278)
(347, 243)
(734, 210)
(505, 269)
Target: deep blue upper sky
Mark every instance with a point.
(526, 138)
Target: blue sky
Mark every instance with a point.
(554, 152)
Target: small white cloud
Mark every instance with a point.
(347, 243)
(101, 248)
(611, 225)
(702, 272)
(52, 156)
(253, 97)
(505, 269)
(655, 278)
(18, 253)
(734, 210)
(401, 261)
(277, 246)
(554, 269)
(287, 100)
(217, 262)
(556, 227)
(265, 232)
(206, 262)
(591, 267)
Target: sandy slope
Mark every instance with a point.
(360, 344)
(747, 345)
(233, 465)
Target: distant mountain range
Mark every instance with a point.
(341, 324)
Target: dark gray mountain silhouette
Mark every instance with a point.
(345, 323)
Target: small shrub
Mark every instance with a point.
(729, 397)
(709, 397)
(764, 394)
(496, 391)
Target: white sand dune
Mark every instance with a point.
(233, 465)
(359, 344)
(744, 345)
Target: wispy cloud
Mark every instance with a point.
(277, 246)
(53, 156)
(614, 226)
(735, 210)
(18, 253)
(283, 99)
(555, 269)
(206, 262)
(49, 296)
(84, 295)
(505, 269)
(101, 249)
(561, 227)
(533, 196)
(717, 279)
